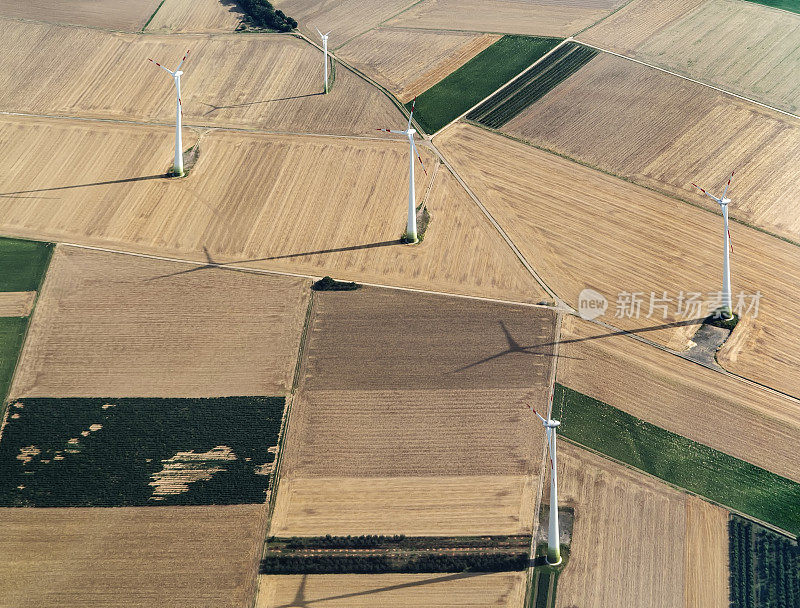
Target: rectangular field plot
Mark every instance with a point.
(128, 15)
(110, 325)
(584, 229)
(176, 16)
(409, 62)
(203, 557)
(138, 452)
(464, 590)
(655, 129)
(538, 17)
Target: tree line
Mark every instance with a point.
(263, 14)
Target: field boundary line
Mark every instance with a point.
(688, 78)
(158, 8)
(603, 18)
(517, 77)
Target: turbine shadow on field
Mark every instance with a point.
(336, 250)
(106, 183)
(300, 600)
(254, 103)
(627, 332)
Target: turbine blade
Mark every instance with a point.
(730, 240)
(182, 60)
(328, 32)
(419, 158)
(537, 413)
(728, 185)
(162, 67)
(392, 131)
(413, 105)
(711, 196)
(318, 32)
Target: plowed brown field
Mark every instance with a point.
(252, 199)
(409, 62)
(171, 557)
(539, 17)
(128, 15)
(270, 82)
(16, 303)
(110, 325)
(706, 555)
(581, 228)
(196, 16)
(667, 133)
(462, 590)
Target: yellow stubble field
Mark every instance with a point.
(261, 81)
(583, 229)
(252, 199)
(410, 61)
(666, 133)
(127, 15)
(179, 16)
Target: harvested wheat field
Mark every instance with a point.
(654, 128)
(539, 17)
(16, 303)
(345, 18)
(128, 15)
(111, 325)
(409, 62)
(131, 557)
(582, 228)
(628, 527)
(706, 555)
(180, 16)
(269, 82)
(626, 29)
(462, 590)
(723, 412)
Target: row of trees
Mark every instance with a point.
(263, 14)
(376, 564)
(365, 541)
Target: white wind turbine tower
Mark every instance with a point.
(411, 226)
(553, 542)
(324, 58)
(177, 166)
(726, 308)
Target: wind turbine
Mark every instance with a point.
(177, 167)
(324, 57)
(411, 226)
(553, 543)
(726, 308)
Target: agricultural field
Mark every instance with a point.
(106, 452)
(469, 84)
(743, 47)
(722, 412)
(124, 15)
(16, 303)
(612, 503)
(242, 200)
(92, 73)
(584, 229)
(408, 62)
(378, 361)
(707, 569)
(531, 86)
(541, 17)
(463, 590)
(627, 119)
(187, 331)
(131, 557)
(180, 16)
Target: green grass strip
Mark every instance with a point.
(792, 6)
(23, 264)
(679, 461)
(12, 335)
(486, 72)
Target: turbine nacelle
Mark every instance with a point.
(177, 74)
(551, 424)
(724, 201)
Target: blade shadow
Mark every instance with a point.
(627, 332)
(254, 103)
(106, 183)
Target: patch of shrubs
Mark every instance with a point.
(329, 284)
(263, 14)
(367, 541)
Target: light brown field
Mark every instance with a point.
(725, 413)
(706, 555)
(409, 62)
(628, 538)
(581, 228)
(667, 133)
(252, 199)
(16, 303)
(112, 325)
(130, 557)
(635, 22)
(270, 82)
(196, 16)
(506, 589)
(128, 15)
(389, 430)
(540, 17)
(346, 18)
